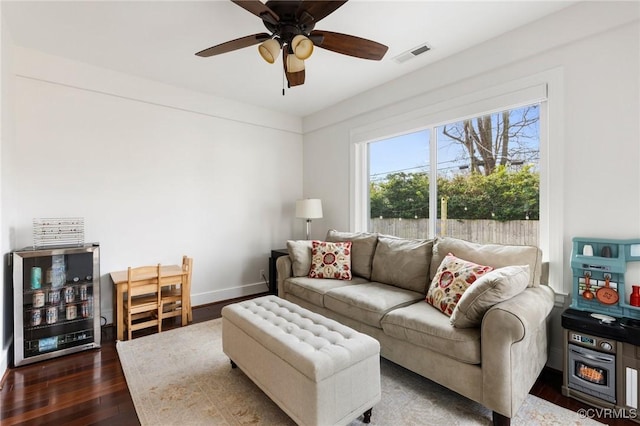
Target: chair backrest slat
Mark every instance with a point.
(187, 269)
(150, 274)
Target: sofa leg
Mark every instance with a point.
(367, 416)
(233, 364)
(501, 420)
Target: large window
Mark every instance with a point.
(539, 147)
(487, 174)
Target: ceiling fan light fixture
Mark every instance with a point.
(302, 47)
(290, 26)
(269, 50)
(294, 64)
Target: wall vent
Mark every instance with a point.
(412, 53)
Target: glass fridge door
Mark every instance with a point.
(56, 302)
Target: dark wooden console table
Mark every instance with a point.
(273, 274)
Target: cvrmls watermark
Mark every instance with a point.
(607, 413)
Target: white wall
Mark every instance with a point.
(156, 172)
(595, 47)
(127, 154)
(6, 135)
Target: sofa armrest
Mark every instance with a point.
(514, 348)
(283, 271)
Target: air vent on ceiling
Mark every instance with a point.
(412, 53)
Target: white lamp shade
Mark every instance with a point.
(310, 208)
(269, 50)
(294, 64)
(302, 47)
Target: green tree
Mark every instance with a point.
(503, 195)
(401, 195)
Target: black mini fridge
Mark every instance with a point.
(56, 300)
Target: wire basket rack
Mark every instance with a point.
(65, 231)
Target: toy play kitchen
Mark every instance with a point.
(602, 325)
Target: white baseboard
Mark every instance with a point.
(227, 294)
(4, 361)
(108, 315)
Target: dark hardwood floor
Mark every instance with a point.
(89, 388)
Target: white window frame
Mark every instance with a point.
(545, 88)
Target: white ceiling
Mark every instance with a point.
(157, 40)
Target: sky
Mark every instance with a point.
(410, 152)
(399, 153)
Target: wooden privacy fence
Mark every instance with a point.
(480, 231)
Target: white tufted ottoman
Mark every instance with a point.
(317, 370)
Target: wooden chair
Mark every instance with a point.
(143, 303)
(187, 268)
(172, 296)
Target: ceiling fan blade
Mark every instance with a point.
(317, 10)
(259, 9)
(294, 78)
(350, 45)
(236, 44)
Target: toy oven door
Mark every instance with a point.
(592, 372)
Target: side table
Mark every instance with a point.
(273, 274)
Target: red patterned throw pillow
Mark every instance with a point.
(454, 276)
(331, 260)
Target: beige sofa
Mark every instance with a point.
(495, 362)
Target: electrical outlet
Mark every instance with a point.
(261, 274)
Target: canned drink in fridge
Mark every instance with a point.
(58, 274)
(36, 317)
(85, 309)
(69, 295)
(54, 297)
(72, 312)
(38, 299)
(52, 315)
(36, 277)
(83, 292)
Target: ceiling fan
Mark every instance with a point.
(291, 26)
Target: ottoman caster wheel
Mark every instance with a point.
(367, 416)
(233, 364)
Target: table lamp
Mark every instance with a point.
(310, 208)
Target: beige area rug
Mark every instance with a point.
(182, 377)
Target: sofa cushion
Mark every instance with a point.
(497, 286)
(368, 303)
(300, 255)
(313, 290)
(496, 255)
(330, 260)
(453, 278)
(402, 263)
(362, 249)
(424, 325)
